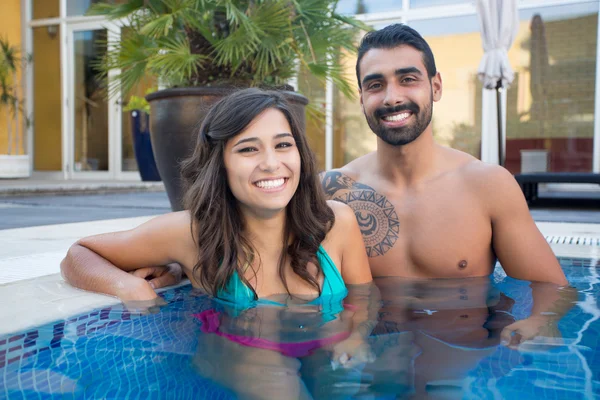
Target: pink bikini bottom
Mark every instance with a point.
(210, 324)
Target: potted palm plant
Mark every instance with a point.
(14, 163)
(201, 50)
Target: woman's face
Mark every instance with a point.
(263, 164)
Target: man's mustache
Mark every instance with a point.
(380, 112)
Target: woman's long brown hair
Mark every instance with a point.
(218, 226)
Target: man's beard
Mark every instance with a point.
(404, 134)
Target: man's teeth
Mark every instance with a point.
(397, 117)
(271, 184)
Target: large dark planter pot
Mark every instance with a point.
(142, 146)
(175, 116)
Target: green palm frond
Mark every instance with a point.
(10, 62)
(130, 57)
(264, 47)
(250, 42)
(9, 55)
(116, 11)
(241, 18)
(158, 27)
(174, 59)
(351, 22)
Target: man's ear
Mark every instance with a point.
(436, 87)
(362, 107)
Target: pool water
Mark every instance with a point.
(435, 339)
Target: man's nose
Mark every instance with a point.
(394, 95)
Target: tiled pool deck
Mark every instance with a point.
(32, 291)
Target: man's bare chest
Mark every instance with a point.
(440, 231)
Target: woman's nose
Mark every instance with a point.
(270, 161)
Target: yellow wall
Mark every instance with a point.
(10, 29)
(45, 9)
(457, 117)
(47, 139)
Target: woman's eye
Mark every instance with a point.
(247, 150)
(283, 145)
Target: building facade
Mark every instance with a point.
(551, 108)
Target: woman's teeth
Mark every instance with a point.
(397, 117)
(270, 184)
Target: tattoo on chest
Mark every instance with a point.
(376, 216)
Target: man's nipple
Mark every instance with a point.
(462, 264)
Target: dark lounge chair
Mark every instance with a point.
(529, 181)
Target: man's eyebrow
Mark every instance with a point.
(255, 139)
(371, 77)
(408, 70)
(399, 71)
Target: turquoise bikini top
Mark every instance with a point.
(237, 294)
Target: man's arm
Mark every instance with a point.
(519, 245)
(550, 304)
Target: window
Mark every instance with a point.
(550, 114)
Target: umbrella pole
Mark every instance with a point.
(499, 119)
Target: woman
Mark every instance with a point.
(257, 230)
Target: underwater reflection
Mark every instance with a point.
(421, 340)
(431, 333)
(286, 350)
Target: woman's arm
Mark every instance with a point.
(102, 263)
(363, 300)
(346, 237)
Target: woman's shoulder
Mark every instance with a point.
(344, 222)
(343, 213)
(178, 220)
(176, 227)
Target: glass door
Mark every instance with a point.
(96, 150)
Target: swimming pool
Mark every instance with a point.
(422, 343)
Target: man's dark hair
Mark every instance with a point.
(391, 37)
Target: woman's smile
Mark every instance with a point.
(272, 184)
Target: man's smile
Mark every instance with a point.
(400, 116)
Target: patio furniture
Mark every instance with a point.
(529, 181)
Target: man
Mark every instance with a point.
(428, 211)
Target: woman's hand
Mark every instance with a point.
(351, 352)
(160, 276)
(136, 290)
(150, 279)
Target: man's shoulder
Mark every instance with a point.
(491, 184)
(484, 176)
(347, 178)
(473, 171)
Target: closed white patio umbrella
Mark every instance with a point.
(499, 24)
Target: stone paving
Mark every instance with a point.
(20, 212)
